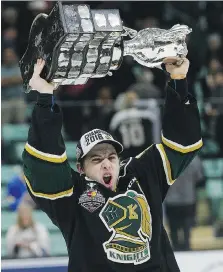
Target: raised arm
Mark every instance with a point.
(181, 132)
(47, 172)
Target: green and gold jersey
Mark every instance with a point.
(105, 230)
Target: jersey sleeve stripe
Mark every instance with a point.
(45, 156)
(166, 164)
(49, 196)
(181, 148)
(140, 154)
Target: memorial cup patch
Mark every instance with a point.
(91, 199)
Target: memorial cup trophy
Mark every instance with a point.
(79, 43)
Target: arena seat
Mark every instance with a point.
(3, 246)
(19, 147)
(71, 150)
(9, 171)
(9, 218)
(15, 132)
(213, 170)
(42, 217)
(210, 147)
(213, 167)
(3, 196)
(58, 245)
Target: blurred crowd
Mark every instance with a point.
(128, 104)
(107, 94)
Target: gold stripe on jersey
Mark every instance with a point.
(45, 156)
(49, 196)
(166, 164)
(181, 148)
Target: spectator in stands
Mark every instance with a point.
(13, 103)
(213, 106)
(219, 121)
(214, 45)
(207, 86)
(136, 128)
(10, 32)
(180, 204)
(100, 115)
(144, 86)
(17, 193)
(37, 7)
(217, 88)
(27, 238)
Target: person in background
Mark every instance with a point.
(27, 238)
(134, 126)
(145, 86)
(180, 204)
(13, 102)
(17, 193)
(214, 42)
(9, 28)
(218, 92)
(16, 189)
(101, 114)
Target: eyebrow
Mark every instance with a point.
(98, 155)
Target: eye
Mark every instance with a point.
(96, 160)
(112, 158)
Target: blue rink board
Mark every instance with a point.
(39, 269)
(195, 261)
(35, 265)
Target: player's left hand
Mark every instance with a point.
(177, 67)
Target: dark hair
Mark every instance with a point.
(81, 162)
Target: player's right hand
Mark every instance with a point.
(38, 83)
(177, 67)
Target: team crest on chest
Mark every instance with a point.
(128, 217)
(91, 199)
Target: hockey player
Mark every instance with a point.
(110, 213)
(136, 127)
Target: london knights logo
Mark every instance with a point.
(128, 217)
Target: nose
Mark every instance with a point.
(106, 164)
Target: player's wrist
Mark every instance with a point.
(45, 99)
(178, 76)
(47, 89)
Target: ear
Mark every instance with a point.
(80, 169)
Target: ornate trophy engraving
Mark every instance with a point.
(78, 43)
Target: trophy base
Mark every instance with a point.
(45, 37)
(77, 44)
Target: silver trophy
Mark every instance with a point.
(79, 43)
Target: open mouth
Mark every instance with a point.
(107, 179)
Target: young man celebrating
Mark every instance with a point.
(110, 213)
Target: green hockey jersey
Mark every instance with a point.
(105, 230)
